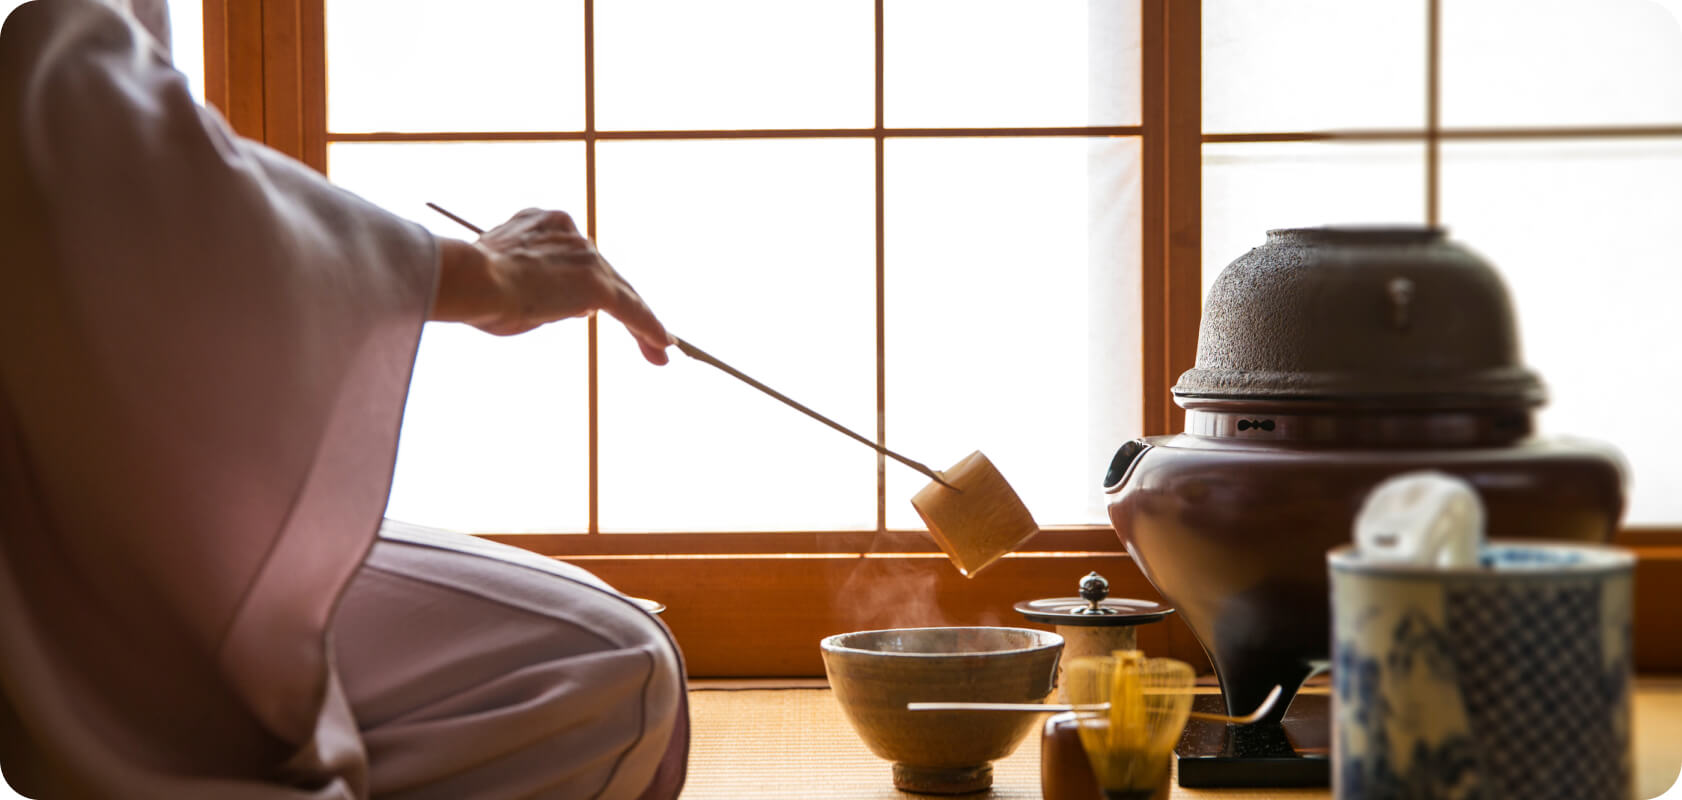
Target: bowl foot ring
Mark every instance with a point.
(942, 780)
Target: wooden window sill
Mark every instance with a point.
(761, 614)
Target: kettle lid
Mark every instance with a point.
(1389, 317)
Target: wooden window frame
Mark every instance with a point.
(755, 604)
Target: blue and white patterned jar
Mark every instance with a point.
(1506, 681)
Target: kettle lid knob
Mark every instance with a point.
(1093, 589)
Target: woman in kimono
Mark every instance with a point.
(204, 353)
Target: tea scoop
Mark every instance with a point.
(1260, 711)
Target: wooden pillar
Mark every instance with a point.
(1172, 279)
(265, 70)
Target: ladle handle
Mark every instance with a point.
(700, 355)
(458, 220)
(1041, 708)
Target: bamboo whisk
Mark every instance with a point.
(1142, 705)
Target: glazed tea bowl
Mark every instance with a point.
(874, 674)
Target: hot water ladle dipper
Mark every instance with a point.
(700, 355)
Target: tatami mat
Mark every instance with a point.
(795, 743)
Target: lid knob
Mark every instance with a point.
(1094, 608)
(1093, 589)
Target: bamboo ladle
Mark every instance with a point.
(970, 509)
(700, 355)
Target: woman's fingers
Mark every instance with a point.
(556, 237)
(557, 273)
(544, 219)
(627, 306)
(651, 335)
(655, 355)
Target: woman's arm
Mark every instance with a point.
(467, 288)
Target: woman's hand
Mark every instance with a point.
(537, 268)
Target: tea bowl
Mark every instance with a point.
(874, 674)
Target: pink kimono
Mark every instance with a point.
(204, 354)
